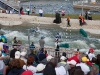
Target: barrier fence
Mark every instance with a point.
(51, 51)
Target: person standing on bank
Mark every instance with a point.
(68, 21)
(21, 9)
(57, 48)
(63, 12)
(86, 15)
(80, 20)
(40, 12)
(28, 11)
(42, 42)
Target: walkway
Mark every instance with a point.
(92, 26)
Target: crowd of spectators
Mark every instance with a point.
(39, 62)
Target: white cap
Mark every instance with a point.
(40, 67)
(23, 53)
(63, 58)
(17, 55)
(73, 62)
(49, 58)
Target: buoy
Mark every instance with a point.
(65, 45)
(83, 32)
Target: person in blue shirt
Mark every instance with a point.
(4, 38)
(32, 46)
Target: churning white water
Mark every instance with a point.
(73, 38)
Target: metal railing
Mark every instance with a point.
(51, 51)
(79, 2)
(7, 7)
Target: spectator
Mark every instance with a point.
(28, 10)
(72, 64)
(23, 54)
(1, 64)
(64, 54)
(41, 55)
(78, 72)
(63, 12)
(64, 64)
(75, 57)
(17, 56)
(29, 65)
(12, 53)
(59, 70)
(49, 69)
(84, 66)
(32, 46)
(35, 57)
(40, 12)
(6, 67)
(21, 10)
(46, 60)
(89, 16)
(86, 15)
(90, 54)
(40, 67)
(15, 67)
(98, 60)
(94, 70)
(46, 53)
(42, 42)
(28, 72)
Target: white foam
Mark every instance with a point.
(92, 45)
(19, 35)
(79, 44)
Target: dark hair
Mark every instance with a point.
(30, 60)
(54, 61)
(49, 69)
(77, 49)
(1, 40)
(98, 59)
(78, 72)
(45, 51)
(64, 54)
(15, 63)
(50, 64)
(94, 60)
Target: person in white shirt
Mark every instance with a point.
(40, 12)
(29, 65)
(59, 70)
(28, 10)
(23, 54)
(90, 54)
(84, 66)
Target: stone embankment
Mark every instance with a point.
(92, 26)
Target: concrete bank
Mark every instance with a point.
(92, 26)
